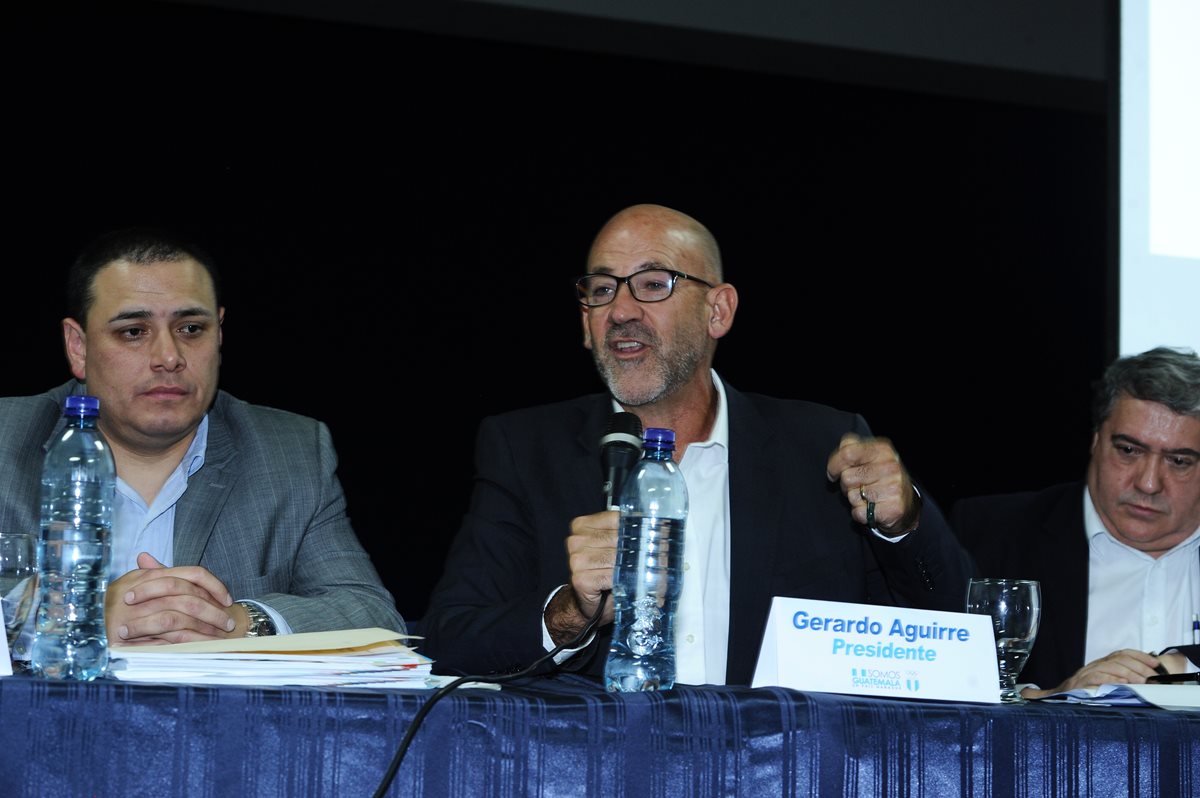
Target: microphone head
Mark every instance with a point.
(620, 449)
(624, 429)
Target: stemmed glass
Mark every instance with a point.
(1015, 606)
(18, 582)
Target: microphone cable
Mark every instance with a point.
(506, 677)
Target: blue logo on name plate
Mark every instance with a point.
(878, 679)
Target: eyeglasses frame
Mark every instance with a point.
(676, 276)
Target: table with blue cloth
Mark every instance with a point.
(564, 736)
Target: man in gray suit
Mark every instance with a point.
(229, 518)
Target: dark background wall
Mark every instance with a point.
(400, 207)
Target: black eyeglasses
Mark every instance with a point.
(650, 285)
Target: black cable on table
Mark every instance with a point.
(492, 679)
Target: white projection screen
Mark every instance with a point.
(1159, 202)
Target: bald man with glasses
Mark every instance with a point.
(787, 498)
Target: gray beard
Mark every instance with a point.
(673, 370)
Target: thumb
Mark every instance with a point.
(838, 462)
(146, 560)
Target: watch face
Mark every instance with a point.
(260, 624)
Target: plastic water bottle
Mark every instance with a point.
(79, 482)
(648, 574)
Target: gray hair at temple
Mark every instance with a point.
(1164, 375)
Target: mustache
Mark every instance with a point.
(631, 329)
(1153, 501)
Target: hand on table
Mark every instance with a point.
(1127, 666)
(155, 604)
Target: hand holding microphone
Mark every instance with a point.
(620, 450)
(592, 542)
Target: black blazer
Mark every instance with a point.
(1038, 535)
(792, 534)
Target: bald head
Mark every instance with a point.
(649, 228)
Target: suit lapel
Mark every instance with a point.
(56, 398)
(585, 471)
(1067, 586)
(595, 425)
(208, 489)
(753, 480)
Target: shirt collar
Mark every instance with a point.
(1093, 527)
(719, 435)
(176, 481)
(193, 458)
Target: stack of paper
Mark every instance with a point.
(352, 658)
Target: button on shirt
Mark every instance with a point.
(702, 619)
(1135, 600)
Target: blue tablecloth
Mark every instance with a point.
(566, 737)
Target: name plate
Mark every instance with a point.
(866, 649)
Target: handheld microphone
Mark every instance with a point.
(620, 449)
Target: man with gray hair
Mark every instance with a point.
(1118, 554)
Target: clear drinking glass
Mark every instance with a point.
(1015, 606)
(18, 584)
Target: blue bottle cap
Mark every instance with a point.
(660, 437)
(81, 406)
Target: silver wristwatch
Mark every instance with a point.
(261, 624)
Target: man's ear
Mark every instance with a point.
(587, 332)
(75, 346)
(722, 305)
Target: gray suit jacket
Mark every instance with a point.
(265, 514)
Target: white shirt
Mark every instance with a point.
(1135, 600)
(702, 618)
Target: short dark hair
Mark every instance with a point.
(1168, 376)
(136, 245)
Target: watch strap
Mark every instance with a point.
(260, 624)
